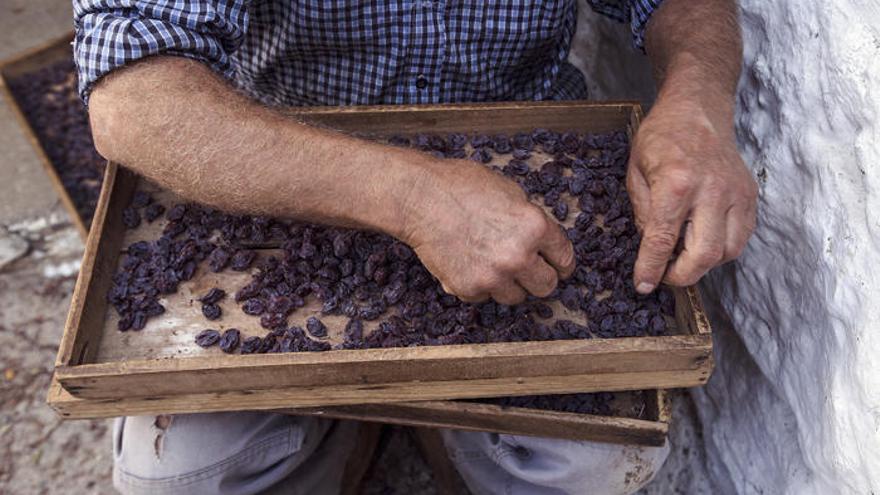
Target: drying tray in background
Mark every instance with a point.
(30, 61)
(94, 364)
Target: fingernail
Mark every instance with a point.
(644, 288)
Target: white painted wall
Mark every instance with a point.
(794, 403)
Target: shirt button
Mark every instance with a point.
(421, 82)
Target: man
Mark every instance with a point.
(156, 76)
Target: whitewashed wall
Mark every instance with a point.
(794, 404)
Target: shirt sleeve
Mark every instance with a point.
(113, 33)
(635, 12)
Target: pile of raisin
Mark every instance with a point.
(372, 277)
(49, 101)
(598, 403)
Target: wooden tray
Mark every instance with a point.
(30, 61)
(371, 375)
(650, 431)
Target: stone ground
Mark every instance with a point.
(39, 258)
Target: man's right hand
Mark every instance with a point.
(480, 236)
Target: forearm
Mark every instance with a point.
(175, 122)
(696, 50)
(685, 172)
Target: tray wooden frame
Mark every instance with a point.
(347, 377)
(34, 59)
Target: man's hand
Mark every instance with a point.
(684, 170)
(480, 236)
(685, 175)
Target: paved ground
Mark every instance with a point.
(39, 453)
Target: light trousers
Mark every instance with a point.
(247, 453)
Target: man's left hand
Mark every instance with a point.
(685, 177)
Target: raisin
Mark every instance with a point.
(316, 346)
(501, 144)
(399, 141)
(153, 211)
(253, 307)
(140, 199)
(658, 325)
(560, 211)
(251, 345)
(229, 341)
(242, 260)
(481, 155)
(273, 320)
(207, 338)
(480, 140)
(176, 213)
(124, 323)
(214, 295)
(211, 311)
(316, 328)
(131, 219)
(218, 259)
(457, 141)
(517, 167)
(268, 344)
(353, 334)
(523, 142)
(542, 310)
(138, 321)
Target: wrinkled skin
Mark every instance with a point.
(685, 174)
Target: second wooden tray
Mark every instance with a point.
(650, 430)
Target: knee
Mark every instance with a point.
(584, 467)
(543, 465)
(205, 453)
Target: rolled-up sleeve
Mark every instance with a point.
(635, 12)
(113, 33)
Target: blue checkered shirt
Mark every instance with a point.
(342, 52)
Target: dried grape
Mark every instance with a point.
(214, 295)
(207, 338)
(212, 311)
(250, 345)
(229, 341)
(242, 260)
(316, 327)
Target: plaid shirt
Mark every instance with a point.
(340, 52)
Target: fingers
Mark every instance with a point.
(468, 297)
(670, 204)
(740, 224)
(557, 250)
(639, 194)
(539, 278)
(704, 246)
(509, 293)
